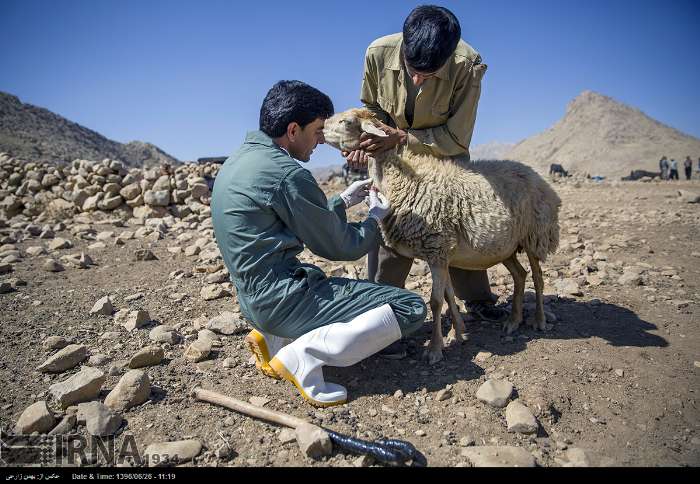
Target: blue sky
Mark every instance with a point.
(189, 76)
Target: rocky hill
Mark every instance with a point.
(36, 134)
(490, 151)
(602, 136)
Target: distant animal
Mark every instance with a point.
(639, 174)
(557, 169)
(464, 215)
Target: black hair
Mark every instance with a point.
(289, 102)
(430, 37)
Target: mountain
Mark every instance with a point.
(490, 151)
(32, 133)
(601, 136)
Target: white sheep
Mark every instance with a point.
(465, 215)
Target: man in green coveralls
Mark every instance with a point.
(265, 209)
(424, 85)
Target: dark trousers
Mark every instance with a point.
(673, 175)
(688, 172)
(393, 269)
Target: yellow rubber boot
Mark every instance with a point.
(264, 348)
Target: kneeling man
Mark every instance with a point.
(265, 209)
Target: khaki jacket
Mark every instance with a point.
(445, 110)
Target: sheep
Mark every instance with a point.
(453, 214)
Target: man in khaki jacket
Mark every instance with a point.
(424, 85)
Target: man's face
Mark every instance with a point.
(417, 77)
(306, 139)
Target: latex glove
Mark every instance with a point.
(356, 192)
(379, 206)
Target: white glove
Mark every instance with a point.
(379, 206)
(356, 192)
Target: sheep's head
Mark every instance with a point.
(343, 130)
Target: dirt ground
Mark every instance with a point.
(616, 375)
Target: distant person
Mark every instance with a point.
(673, 174)
(663, 167)
(688, 164)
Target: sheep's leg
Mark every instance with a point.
(540, 320)
(519, 274)
(458, 330)
(440, 276)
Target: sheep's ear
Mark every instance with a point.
(369, 127)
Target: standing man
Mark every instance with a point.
(673, 173)
(265, 209)
(424, 85)
(663, 166)
(688, 164)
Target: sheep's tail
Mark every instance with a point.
(543, 237)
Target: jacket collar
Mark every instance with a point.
(395, 62)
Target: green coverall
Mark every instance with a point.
(265, 207)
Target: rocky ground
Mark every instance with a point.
(145, 309)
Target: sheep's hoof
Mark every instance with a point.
(433, 356)
(510, 326)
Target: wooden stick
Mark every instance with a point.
(247, 409)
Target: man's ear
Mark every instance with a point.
(293, 129)
(369, 127)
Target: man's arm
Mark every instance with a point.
(369, 91)
(319, 223)
(453, 137)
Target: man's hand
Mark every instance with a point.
(357, 159)
(356, 192)
(376, 144)
(379, 205)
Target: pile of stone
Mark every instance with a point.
(109, 185)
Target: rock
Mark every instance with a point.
(568, 287)
(229, 363)
(363, 461)
(157, 198)
(630, 279)
(5, 268)
(495, 456)
(36, 251)
(495, 392)
(65, 359)
(54, 343)
(443, 395)
(36, 418)
(620, 373)
(137, 319)
(149, 356)
(130, 192)
(81, 387)
(134, 297)
(98, 360)
(5, 288)
(192, 250)
(164, 334)
(213, 291)
(59, 244)
(198, 350)
(482, 356)
(287, 435)
(313, 441)
(172, 453)
(467, 441)
(144, 255)
(51, 265)
(520, 419)
(689, 197)
(133, 389)
(578, 457)
(103, 306)
(99, 419)
(398, 394)
(65, 426)
(227, 323)
(209, 336)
